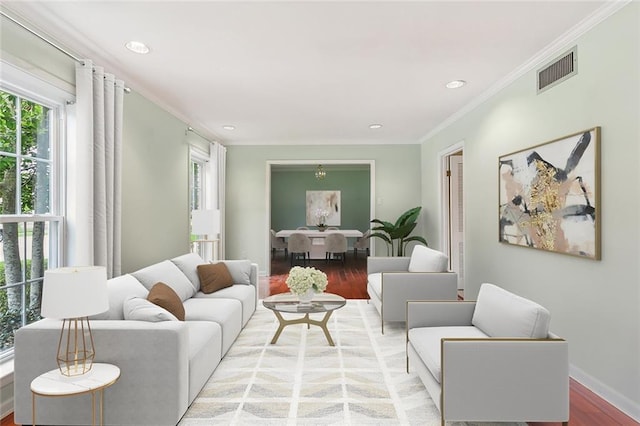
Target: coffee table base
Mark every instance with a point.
(304, 320)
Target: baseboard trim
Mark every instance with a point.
(621, 402)
(6, 408)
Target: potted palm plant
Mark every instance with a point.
(396, 235)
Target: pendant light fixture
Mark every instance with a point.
(320, 173)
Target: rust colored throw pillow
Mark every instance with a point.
(214, 277)
(165, 297)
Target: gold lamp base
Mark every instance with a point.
(75, 348)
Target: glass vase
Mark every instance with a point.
(306, 297)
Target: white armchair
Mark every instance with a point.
(392, 281)
(491, 360)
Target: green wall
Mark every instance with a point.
(595, 305)
(288, 197)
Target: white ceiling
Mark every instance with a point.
(299, 72)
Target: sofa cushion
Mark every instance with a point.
(426, 342)
(424, 259)
(246, 294)
(499, 313)
(214, 277)
(139, 309)
(375, 282)
(226, 312)
(119, 289)
(205, 352)
(240, 270)
(164, 296)
(167, 272)
(188, 264)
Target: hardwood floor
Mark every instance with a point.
(348, 279)
(586, 408)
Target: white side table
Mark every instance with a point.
(54, 383)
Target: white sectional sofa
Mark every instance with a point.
(164, 362)
(493, 360)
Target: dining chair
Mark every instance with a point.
(278, 244)
(302, 228)
(362, 243)
(335, 247)
(299, 246)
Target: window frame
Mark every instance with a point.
(27, 87)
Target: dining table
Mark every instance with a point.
(317, 238)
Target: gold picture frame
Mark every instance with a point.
(549, 196)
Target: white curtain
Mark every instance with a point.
(94, 160)
(216, 198)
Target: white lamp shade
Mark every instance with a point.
(74, 292)
(205, 222)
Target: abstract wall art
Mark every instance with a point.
(549, 196)
(323, 207)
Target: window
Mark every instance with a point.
(197, 181)
(197, 193)
(29, 192)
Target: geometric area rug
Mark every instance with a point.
(301, 380)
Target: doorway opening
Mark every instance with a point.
(311, 166)
(452, 201)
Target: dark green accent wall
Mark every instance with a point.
(289, 191)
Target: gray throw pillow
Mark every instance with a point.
(240, 271)
(139, 309)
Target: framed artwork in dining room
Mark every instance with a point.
(549, 196)
(323, 207)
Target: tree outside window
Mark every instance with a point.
(25, 188)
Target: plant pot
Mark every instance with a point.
(322, 228)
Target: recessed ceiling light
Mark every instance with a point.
(455, 84)
(375, 126)
(137, 47)
(229, 127)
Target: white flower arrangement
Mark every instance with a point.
(300, 280)
(321, 215)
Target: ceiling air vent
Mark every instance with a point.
(558, 70)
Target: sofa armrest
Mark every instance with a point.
(422, 313)
(153, 360)
(387, 264)
(505, 380)
(254, 279)
(399, 287)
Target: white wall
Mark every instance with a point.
(397, 183)
(595, 305)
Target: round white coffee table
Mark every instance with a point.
(54, 383)
(289, 303)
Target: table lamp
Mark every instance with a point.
(206, 223)
(71, 294)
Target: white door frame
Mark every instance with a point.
(444, 194)
(270, 163)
